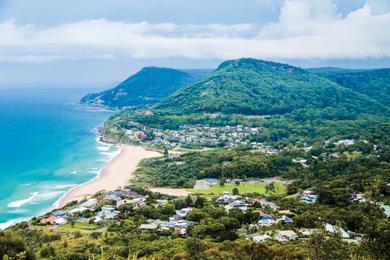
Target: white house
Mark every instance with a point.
(283, 235)
(260, 238)
(333, 229)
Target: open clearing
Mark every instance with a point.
(245, 187)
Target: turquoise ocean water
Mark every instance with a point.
(48, 145)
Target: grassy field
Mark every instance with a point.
(247, 187)
(78, 225)
(353, 155)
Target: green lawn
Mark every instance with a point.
(248, 187)
(353, 155)
(78, 225)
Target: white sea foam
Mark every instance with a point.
(48, 195)
(73, 172)
(64, 186)
(18, 211)
(19, 203)
(12, 222)
(103, 148)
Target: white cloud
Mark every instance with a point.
(306, 29)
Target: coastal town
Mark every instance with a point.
(197, 136)
(267, 219)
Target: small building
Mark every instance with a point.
(386, 209)
(261, 238)
(286, 235)
(112, 197)
(89, 203)
(49, 220)
(333, 229)
(149, 226)
(123, 202)
(162, 203)
(266, 221)
(285, 219)
(309, 199)
(61, 221)
(182, 213)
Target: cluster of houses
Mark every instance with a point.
(102, 209)
(291, 235)
(227, 136)
(176, 222)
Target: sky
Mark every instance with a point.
(97, 43)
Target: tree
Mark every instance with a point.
(235, 191)
(231, 224)
(324, 246)
(194, 247)
(376, 242)
(189, 201)
(13, 246)
(222, 182)
(199, 202)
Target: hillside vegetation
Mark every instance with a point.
(373, 83)
(256, 87)
(148, 86)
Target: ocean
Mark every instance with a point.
(48, 145)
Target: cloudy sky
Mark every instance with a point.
(95, 43)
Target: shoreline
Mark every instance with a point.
(116, 173)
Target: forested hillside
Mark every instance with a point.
(373, 83)
(256, 87)
(148, 86)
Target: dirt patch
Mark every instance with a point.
(171, 192)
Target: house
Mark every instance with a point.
(266, 221)
(166, 225)
(112, 197)
(333, 229)
(123, 202)
(182, 213)
(237, 204)
(50, 220)
(61, 221)
(264, 204)
(308, 231)
(309, 197)
(211, 181)
(286, 235)
(386, 209)
(358, 197)
(107, 212)
(89, 203)
(78, 209)
(227, 197)
(285, 219)
(162, 203)
(345, 142)
(139, 202)
(263, 214)
(60, 213)
(261, 238)
(286, 212)
(149, 226)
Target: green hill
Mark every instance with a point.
(256, 87)
(373, 83)
(147, 87)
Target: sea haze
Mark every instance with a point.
(48, 145)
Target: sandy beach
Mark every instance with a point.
(116, 173)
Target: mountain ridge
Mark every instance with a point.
(258, 87)
(146, 87)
